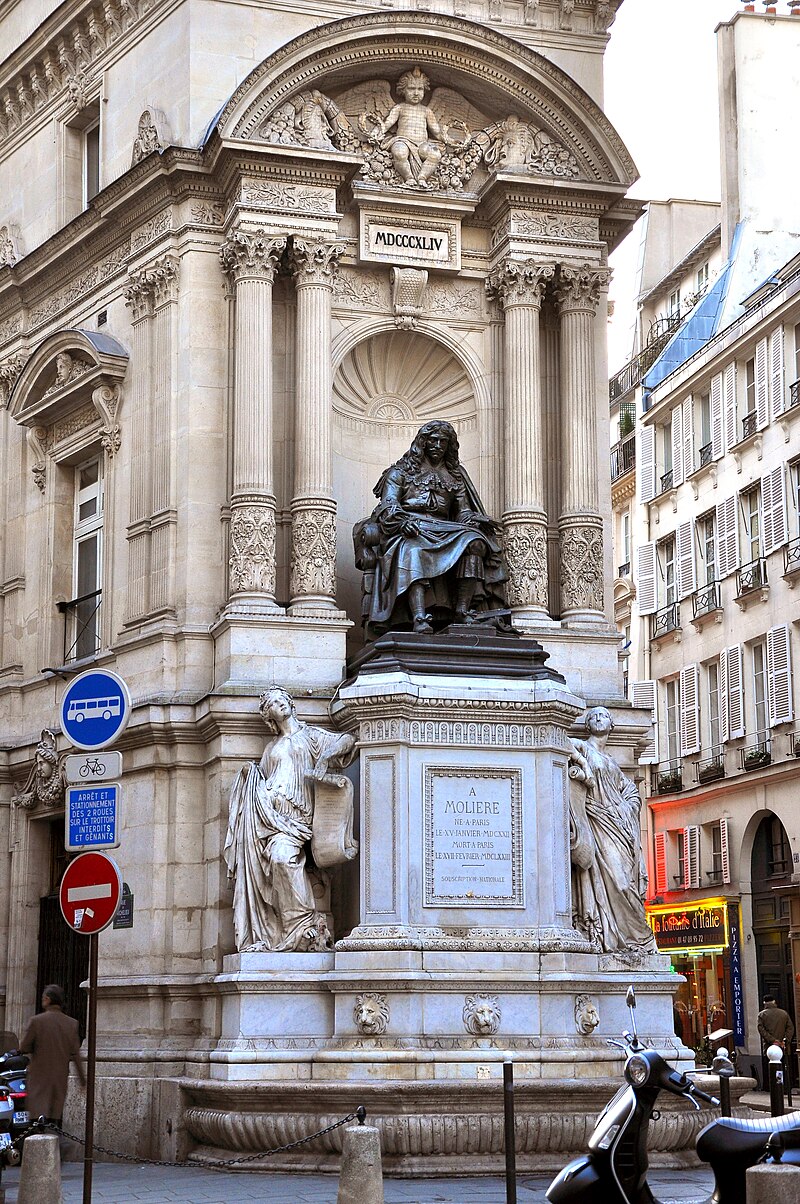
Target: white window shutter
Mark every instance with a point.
(724, 850)
(727, 537)
(687, 421)
(729, 406)
(779, 674)
(676, 435)
(643, 694)
(692, 845)
(647, 462)
(724, 725)
(762, 385)
(687, 567)
(660, 843)
(773, 510)
(646, 563)
(777, 385)
(735, 692)
(690, 710)
(717, 437)
(685, 858)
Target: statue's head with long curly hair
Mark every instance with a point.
(413, 458)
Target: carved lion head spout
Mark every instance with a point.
(371, 1014)
(482, 1015)
(587, 1016)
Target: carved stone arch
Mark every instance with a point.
(494, 74)
(69, 387)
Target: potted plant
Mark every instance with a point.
(669, 781)
(711, 772)
(755, 758)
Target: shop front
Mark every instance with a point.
(704, 944)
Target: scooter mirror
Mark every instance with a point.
(630, 998)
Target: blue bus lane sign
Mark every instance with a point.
(92, 818)
(95, 709)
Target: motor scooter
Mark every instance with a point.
(13, 1077)
(614, 1171)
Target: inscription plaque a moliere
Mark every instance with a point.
(473, 837)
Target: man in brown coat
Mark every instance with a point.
(774, 1024)
(52, 1041)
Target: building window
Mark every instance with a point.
(797, 352)
(718, 854)
(760, 702)
(674, 303)
(672, 694)
(84, 611)
(625, 538)
(667, 556)
(794, 495)
(708, 545)
(751, 506)
(750, 387)
(714, 733)
(779, 854)
(82, 137)
(702, 277)
(91, 162)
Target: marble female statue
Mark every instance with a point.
(609, 879)
(430, 552)
(271, 823)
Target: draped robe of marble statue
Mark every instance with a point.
(609, 878)
(430, 553)
(273, 819)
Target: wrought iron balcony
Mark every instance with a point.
(705, 454)
(624, 570)
(711, 766)
(791, 557)
(751, 576)
(749, 424)
(669, 778)
(757, 755)
(794, 395)
(81, 626)
(706, 600)
(623, 457)
(666, 620)
(633, 372)
(666, 481)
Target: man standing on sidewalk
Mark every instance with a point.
(774, 1024)
(52, 1040)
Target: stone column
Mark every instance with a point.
(580, 523)
(251, 258)
(520, 287)
(313, 558)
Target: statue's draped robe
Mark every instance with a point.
(269, 825)
(609, 877)
(440, 504)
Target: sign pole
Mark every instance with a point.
(91, 1058)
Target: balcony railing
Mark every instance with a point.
(791, 557)
(706, 600)
(81, 626)
(751, 576)
(757, 755)
(666, 620)
(794, 395)
(669, 778)
(623, 457)
(632, 374)
(749, 424)
(666, 481)
(705, 454)
(624, 570)
(794, 743)
(711, 766)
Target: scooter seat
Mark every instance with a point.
(730, 1136)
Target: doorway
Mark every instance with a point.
(63, 953)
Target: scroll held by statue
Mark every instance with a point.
(332, 840)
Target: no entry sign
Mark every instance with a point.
(90, 892)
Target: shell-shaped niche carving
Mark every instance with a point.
(402, 376)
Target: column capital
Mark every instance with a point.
(578, 289)
(520, 282)
(153, 285)
(247, 254)
(315, 261)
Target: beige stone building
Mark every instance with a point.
(242, 258)
(707, 530)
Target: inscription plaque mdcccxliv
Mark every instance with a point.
(473, 837)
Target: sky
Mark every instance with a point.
(661, 95)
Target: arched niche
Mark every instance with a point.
(69, 390)
(386, 385)
(493, 76)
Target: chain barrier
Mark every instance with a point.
(46, 1126)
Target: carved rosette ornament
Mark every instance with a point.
(313, 565)
(520, 282)
(581, 567)
(252, 552)
(246, 254)
(525, 544)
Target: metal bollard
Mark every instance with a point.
(723, 1066)
(509, 1135)
(775, 1055)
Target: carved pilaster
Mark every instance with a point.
(152, 286)
(526, 558)
(313, 570)
(252, 548)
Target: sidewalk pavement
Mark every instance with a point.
(116, 1184)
